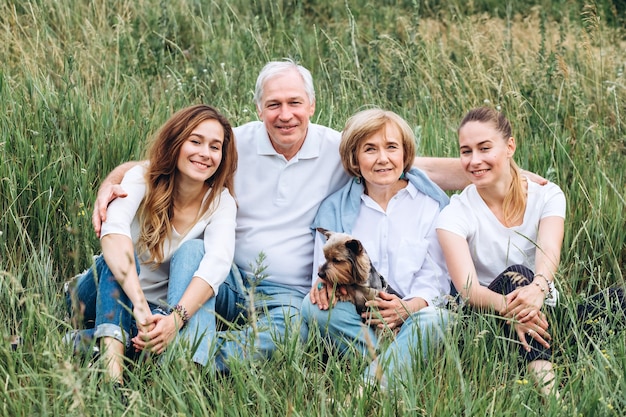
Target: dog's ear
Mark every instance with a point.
(325, 232)
(354, 246)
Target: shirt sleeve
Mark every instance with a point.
(431, 280)
(554, 203)
(122, 211)
(219, 243)
(454, 218)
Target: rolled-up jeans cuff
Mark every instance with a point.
(114, 331)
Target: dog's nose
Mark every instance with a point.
(321, 273)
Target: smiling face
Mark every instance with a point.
(485, 154)
(201, 153)
(285, 109)
(380, 157)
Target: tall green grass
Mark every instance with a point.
(83, 84)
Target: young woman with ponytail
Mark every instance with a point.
(502, 238)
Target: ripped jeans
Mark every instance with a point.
(107, 310)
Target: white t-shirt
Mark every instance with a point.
(402, 244)
(278, 200)
(216, 228)
(493, 246)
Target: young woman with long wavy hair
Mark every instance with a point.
(142, 294)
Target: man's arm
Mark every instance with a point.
(448, 173)
(109, 191)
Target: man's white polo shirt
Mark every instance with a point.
(278, 200)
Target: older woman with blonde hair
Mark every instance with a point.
(391, 207)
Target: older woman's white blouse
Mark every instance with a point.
(402, 244)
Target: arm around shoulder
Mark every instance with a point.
(109, 190)
(447, 173)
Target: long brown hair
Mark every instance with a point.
(514, 204)
(157, 209)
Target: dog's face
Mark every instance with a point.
(346, 260)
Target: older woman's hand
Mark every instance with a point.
(389, 311)
(324, 295)
(320, 294)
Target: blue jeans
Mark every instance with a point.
(277, 310)
(342, 325)
(106, 306)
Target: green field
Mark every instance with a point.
(83, 85)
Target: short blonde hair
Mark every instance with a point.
(364, 124)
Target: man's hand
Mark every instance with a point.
(106, 194)
(109, 191)
(534, 177)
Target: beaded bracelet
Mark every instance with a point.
(548, 294)
(543, 290)
(182, 313)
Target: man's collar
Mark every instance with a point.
(310, 147)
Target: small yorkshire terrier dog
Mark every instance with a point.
(347, 264)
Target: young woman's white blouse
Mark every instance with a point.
(216, 229)
(493, 246)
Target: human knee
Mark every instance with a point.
(191, 251)
(430, 316)
(183, 265)
(311, 313)
(79, 292)
(519, 269)
(430, 323)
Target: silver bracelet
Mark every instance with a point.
(548, 293)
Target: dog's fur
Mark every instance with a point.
(347, 264)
